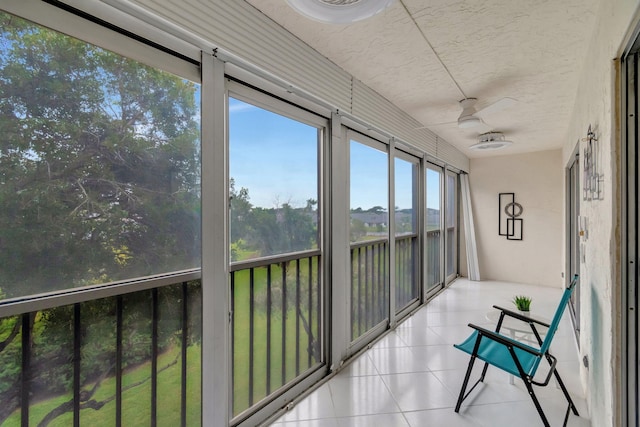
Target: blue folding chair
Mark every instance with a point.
(517, 358)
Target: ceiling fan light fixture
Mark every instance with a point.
(339, 11)
(491, 141)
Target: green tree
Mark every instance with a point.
(269, 231)
(99, 164)
(357, 230)
(239, 214)
(377, 209)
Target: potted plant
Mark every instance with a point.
(523, 303)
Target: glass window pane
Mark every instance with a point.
(451, 201)
(405, 173)
(433, 199)
(273, 183)
(433, 225)
(99, 165)
(406, 240)
(369, 194)
(369, 185)
(451, 222)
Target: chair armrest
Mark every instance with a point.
(519, 316)
(552, 368)
(505, 340)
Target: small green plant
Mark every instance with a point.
(522, 302)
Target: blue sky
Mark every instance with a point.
(369, 180)
(275, 158)
(272, 156)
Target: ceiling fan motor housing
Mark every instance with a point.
(467, 119)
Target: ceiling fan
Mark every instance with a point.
(472, 117)
(491, 141)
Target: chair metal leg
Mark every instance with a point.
(464, 384)
(535, 402)
(484, 371)
(566, 394)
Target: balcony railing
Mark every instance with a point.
(433, 258)
(96, 362)
(369, 285)
(276, 329)
(406, 286)
(451, 250)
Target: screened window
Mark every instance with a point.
(405, 193)
(407, 288)
(369, 193)
(99, 165)
(433, 225)
(276, 271)
(451, 225)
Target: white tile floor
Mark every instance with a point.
(412, 376)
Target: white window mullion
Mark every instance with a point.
(392, 233)
(340, 251)
(216, 381)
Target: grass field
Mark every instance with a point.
(295, 336)
(136, 402)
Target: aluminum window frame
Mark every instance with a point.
(449, 278)
(630, 356)
(572, 226)
(356, 344)
(287, 108)
(418, 214)
(435, 288)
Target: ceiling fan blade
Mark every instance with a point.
(431, 125)
(499, 105)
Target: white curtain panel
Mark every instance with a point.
(469, 229)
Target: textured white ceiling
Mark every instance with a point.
(530, 50)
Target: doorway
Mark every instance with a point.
(573, 236)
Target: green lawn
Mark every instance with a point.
(136, 402)
(242, 331)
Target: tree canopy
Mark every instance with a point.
(99, 164)
(257, 231)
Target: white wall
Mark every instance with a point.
(600, 284)
(537, 181)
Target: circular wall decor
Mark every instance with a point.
(510, 209)
(339, 11)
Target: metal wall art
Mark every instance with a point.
(509, 223)
(591, 186)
